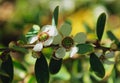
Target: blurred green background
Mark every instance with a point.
(18, 16)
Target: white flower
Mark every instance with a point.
(106, 58)
(68, 44)
(44, 38)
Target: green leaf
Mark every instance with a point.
(23, 39)
(112, 37)
(96, 65)
(87, 28)
(66, 29)
(63, 74)
(31, 79)
(55, 65)
(33, 31)
(79, 66)
(55, 16)
(19, 65)
(41, 70)
(100, 25)
(7, 67)
(0, 62)
(85, 48)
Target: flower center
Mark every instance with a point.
(43, 36)
(67, 42)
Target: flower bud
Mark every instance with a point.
(36, 54)
(113, 46)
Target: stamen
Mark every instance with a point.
(43, 36)
(67, 42)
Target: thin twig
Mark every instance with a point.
(27, 46)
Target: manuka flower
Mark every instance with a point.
(68, 43)
(43, 38)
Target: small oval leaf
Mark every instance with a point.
(55, 65)
(55, 16)
(85, 48)
(112, 37)
(33, 31)
(96, 65)
(87, 28)
(41, 70)
(7, 67)
(19, 65)
(100, 25)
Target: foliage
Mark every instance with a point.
(55, 53)
(41, 70)
(100, 25)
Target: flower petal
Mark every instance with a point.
(66, 29)
(46, 28)
(57, 39)
(38, 47)
(48, 41)
(73, 51)
(110, 54)
(51, 30)
(60, 52)
(33, 39)
(80, 38)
